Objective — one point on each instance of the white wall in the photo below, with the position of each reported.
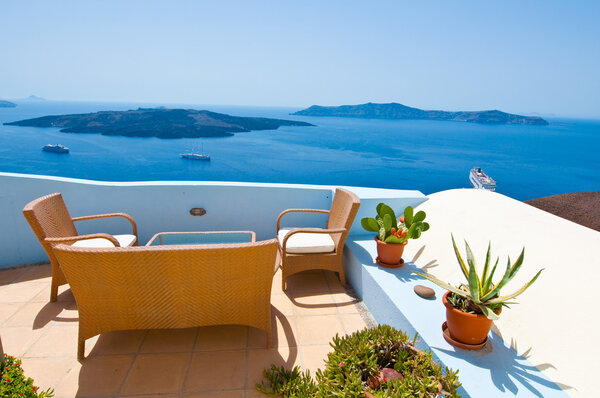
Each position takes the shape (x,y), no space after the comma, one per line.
(164,206)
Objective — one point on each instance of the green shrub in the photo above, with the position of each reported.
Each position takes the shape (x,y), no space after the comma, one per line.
(353,370)
(14,384)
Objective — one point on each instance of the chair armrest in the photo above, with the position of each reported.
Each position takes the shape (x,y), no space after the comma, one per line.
(298,211)
(68,239)
(124,215)
(312,231)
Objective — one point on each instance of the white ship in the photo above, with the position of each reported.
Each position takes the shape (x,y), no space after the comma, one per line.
(55,148)
(480,180)
(196,156)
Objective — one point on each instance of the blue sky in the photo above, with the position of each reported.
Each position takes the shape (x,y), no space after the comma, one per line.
(518,56)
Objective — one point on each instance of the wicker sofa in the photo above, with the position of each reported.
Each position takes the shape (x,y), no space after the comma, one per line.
(165,287)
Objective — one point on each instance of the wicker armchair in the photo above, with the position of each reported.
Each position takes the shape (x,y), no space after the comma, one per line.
(168,287)
(50,220)
(303,249)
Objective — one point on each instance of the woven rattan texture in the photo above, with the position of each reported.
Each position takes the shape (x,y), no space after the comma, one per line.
(164,287)
(343,210)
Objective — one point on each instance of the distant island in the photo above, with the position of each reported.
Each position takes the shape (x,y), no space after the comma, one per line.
(34,98)
(7,104)
(158,122)
(398,111)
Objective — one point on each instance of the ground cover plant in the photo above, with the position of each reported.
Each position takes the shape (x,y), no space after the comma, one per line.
(379,362)
(14,383)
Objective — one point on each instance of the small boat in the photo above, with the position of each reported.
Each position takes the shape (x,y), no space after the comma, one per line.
(196,156)
(480,180)
(57,148)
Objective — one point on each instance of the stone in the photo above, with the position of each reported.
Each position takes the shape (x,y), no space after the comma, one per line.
(424,291)
(390,374)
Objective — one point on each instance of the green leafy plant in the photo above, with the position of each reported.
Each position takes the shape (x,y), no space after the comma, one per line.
(358,366)
(390,230)
(481,295)
(13,382)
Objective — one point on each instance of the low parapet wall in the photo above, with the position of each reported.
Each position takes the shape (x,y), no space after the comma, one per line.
(546,345)
(164,206)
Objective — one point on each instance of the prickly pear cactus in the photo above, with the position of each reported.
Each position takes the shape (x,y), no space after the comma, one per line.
(392,230)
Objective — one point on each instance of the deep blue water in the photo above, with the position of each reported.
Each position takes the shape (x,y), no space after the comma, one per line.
(526,161)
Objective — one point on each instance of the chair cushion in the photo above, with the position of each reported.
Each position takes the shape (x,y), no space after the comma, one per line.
(305,242)
(124,241)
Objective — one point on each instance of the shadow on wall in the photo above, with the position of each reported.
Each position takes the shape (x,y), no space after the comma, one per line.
(507,365)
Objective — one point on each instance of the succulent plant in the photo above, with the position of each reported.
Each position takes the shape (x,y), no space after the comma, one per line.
(480,291)
(390,230)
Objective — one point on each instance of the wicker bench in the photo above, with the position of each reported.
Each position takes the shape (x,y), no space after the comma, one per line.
(167,287)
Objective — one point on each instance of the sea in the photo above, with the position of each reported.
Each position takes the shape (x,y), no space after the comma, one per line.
(430,156)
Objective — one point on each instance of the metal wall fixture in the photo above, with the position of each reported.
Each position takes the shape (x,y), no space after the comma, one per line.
(197,211)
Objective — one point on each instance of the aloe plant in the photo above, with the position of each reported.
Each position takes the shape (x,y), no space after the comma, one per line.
(390,230)
(480,289)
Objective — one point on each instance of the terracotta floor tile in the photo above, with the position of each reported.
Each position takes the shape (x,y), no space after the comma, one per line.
(19,292)
(95,376)
(282,303)
(353,322)
(48,372)
(333,281)
(57,341)
(10,275)
(115,343)
(258,360)
(36,315)
(64,294)
(150,396)
(308,283)
(318,329)
(283,333)
(16,341)
(7,310)
(214,370)
(225,337)
(156,373)
(346,304)
(317,304)
(314,356)
(169,340)
(216,394)
(35,272)
(276,288)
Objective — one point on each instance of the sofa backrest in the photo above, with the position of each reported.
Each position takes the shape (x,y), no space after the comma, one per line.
(152,287)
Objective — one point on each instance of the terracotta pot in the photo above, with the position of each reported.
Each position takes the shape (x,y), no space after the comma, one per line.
(464,327)
(389,253)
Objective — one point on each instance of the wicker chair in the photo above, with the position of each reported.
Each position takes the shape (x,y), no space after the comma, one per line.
(50,220)
(303,249)
(168,287)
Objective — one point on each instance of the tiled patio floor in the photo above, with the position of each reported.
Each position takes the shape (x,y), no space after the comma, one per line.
(224,361)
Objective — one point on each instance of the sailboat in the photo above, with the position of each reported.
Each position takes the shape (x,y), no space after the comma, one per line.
(196,156)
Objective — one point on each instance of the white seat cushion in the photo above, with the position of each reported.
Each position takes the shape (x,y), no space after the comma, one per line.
(124,241)
(305,242)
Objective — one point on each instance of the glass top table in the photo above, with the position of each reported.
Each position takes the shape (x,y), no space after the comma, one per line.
(201,238)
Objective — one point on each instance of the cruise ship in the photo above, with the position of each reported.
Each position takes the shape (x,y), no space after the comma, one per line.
(480,180)
(57,148)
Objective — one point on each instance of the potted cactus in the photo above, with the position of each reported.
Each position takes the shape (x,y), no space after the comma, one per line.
(393,235)
(471,308)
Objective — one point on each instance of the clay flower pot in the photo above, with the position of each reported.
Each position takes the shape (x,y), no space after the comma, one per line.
(389,253)
(466,328)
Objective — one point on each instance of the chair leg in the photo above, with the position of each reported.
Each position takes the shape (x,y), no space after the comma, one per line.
(53,291)
(80,349)
(342,278)
(283,283)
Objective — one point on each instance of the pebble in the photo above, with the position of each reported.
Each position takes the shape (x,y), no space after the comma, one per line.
(424,291)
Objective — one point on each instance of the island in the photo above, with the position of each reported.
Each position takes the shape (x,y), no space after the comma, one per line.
(158,122)
(398,111)
(7,104)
